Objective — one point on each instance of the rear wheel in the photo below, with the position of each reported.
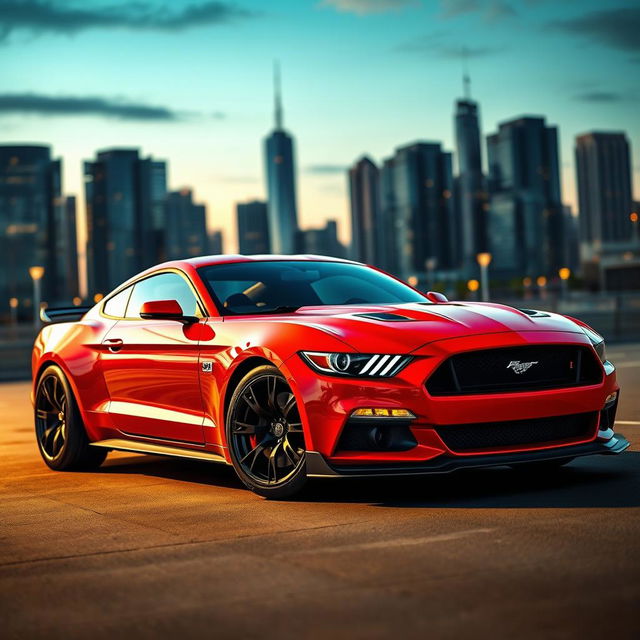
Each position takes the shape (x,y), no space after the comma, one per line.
(264,434)
(60,433)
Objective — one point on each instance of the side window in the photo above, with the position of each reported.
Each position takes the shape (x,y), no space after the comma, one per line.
(164,286)
(117,306)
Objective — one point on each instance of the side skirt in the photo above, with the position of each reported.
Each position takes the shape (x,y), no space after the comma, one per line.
(158,450)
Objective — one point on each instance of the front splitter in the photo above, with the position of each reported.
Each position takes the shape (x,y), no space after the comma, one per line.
(318,467)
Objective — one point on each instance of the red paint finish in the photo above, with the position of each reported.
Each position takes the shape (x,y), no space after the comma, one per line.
(167,380)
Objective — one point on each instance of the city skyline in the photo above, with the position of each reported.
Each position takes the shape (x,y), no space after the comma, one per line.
(389,78)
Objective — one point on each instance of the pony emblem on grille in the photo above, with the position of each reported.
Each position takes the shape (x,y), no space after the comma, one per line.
(520,367)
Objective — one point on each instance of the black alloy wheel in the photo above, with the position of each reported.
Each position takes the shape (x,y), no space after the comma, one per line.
(60,433)
(265,436)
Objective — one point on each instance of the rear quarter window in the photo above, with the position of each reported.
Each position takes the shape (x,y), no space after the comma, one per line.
(117,306)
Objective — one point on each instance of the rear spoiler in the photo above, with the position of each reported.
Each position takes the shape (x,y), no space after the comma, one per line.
(63,314)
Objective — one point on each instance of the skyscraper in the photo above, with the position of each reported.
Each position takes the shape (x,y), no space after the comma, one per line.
(364,192)
(418,188)
(281,190)
(185,226)
(603,167)
(253,227)
(323,241)
(470,183)
(34,226)
(526,217)
(122,190)
(153,192)
(216,242)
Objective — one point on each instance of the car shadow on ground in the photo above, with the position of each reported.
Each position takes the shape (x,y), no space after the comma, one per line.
(591,482)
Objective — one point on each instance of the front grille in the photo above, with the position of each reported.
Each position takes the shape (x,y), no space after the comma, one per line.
(514,369)
(501,435)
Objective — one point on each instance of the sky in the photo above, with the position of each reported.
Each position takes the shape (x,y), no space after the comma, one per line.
(190,81)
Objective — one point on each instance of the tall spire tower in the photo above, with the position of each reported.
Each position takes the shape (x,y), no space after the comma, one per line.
(466,80)
(277,93)
(281,183)
(470,182)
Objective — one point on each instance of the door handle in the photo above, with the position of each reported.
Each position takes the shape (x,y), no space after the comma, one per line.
(114,344)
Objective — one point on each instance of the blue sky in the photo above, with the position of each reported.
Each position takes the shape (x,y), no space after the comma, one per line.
(190,81)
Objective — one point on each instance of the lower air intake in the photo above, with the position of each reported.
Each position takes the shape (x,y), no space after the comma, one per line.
(503,435)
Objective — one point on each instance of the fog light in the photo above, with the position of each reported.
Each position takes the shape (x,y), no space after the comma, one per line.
(382,412)
(611,398)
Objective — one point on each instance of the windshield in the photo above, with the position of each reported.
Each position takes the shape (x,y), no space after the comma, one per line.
(274,286)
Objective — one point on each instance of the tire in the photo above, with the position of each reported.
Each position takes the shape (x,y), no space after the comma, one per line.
(60,433)
(265,436)
(548,466)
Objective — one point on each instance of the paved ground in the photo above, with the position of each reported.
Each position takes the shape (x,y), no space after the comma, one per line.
(151,547)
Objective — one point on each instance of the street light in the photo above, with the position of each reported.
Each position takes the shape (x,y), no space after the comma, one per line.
(484,260)
(13,306)
(565,274)
(36,274)
(473,286)
(412,281)
(633,216)
(541,281)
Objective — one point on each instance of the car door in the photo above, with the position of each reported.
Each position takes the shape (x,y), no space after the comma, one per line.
(151,366)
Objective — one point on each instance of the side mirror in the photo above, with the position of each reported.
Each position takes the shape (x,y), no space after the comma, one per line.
(165,310)
(435,296)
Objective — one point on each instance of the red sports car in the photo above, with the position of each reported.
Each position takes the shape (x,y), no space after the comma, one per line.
(290,367)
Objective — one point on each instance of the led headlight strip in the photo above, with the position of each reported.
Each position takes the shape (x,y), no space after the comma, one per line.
(365,365)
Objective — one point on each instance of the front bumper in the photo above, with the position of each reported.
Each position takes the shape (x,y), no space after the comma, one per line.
(318,467)
(326,404)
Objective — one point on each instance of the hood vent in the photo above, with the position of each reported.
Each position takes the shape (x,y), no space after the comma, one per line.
(534,313)
(384,317)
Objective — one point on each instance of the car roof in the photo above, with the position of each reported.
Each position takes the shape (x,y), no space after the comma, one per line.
(205,261)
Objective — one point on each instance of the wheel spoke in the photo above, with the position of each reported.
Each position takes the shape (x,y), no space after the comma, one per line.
(289,404)
(286,447)
(244,428)
(272,464)
(56,393)
(47,392)
(48,437)
(290,451)
(272,382)
(58,441)
(250,398)
(42,414)
(255,451)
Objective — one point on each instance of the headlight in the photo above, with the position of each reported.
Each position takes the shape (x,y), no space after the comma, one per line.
(376,365)
(598,343)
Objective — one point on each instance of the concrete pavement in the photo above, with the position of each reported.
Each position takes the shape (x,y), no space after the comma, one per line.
(152,547)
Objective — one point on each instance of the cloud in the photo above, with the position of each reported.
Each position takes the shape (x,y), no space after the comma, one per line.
(52,16)
(452,8)
(602,96)
(490,10)
(499,10)
(616,28)
(433,44)
(38,104)
(364,7)
(326,169)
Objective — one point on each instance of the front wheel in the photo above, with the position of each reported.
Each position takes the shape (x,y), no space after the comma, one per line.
(264,435)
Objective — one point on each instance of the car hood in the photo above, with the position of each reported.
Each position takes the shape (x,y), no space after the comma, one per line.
(406,327)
